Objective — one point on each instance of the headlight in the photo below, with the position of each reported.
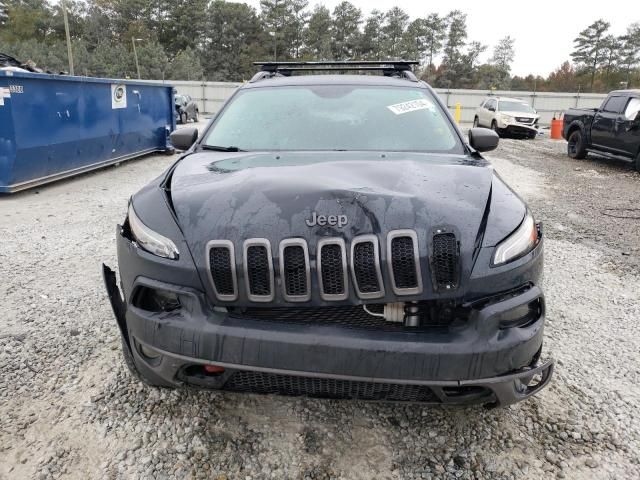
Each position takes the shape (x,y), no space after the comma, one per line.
(519,243)
(505,118)
(149,240)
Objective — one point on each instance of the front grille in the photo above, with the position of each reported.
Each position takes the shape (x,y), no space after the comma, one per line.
(332,269)
(258,271)
(222,267)
(404,262)
(294,264)
(444,261)
(292,385)
(366,268)
(524,119)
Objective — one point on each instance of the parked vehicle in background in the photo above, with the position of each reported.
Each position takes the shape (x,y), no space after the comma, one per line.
(507,116)
(613,130)
(186,109)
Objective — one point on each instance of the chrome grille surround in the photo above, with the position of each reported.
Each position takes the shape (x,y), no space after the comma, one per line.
(294,242)
(393,234)
(227,244)
(373,239)
(343,249)
(258,242)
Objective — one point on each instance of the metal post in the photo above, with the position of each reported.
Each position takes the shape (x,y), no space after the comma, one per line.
(68,35)
(135,55)
(204,97)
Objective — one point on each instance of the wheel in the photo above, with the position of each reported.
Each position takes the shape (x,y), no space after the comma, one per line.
(143,375)
(575,145)
(475,122)
(494,127)
(195,116)
(183,118)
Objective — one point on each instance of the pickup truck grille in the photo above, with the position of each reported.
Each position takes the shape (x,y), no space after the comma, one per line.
(335,266)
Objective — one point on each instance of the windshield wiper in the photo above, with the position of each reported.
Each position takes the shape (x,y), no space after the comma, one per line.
(217,148)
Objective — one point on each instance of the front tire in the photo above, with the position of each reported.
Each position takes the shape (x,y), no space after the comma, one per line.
(183,118)
(195,117)
(476,122)
(575,145)
(494,127)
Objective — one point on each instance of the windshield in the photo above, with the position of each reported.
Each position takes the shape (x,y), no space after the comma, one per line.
(506,106)
(334,117)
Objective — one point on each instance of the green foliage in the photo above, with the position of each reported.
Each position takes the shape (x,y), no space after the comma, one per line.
(219,40)
(185,66)
(317,35)
(345,31)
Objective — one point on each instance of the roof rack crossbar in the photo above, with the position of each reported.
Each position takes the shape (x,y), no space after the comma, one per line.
(398,65)
(387,67)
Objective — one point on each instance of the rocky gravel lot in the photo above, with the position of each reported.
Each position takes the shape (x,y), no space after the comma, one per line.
(69,409)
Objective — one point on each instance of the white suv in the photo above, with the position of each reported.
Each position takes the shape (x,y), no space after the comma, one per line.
(507,115)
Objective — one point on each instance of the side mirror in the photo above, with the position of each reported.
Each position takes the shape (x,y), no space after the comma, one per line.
(492,109)
(184,138)
(483,139)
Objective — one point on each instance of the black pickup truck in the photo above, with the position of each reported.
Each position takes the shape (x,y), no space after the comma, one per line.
(613,130)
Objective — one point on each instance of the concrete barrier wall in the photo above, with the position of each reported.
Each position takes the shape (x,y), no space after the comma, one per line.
(211,95)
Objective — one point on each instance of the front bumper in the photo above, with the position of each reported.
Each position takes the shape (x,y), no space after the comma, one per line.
(480,363)
(517,128)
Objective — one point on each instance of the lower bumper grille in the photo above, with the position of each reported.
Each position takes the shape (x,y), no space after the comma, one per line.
(291,385)
(352,316)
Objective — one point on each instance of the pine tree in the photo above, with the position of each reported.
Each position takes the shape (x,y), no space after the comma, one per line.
(346,33)
(317,35)
(590,46)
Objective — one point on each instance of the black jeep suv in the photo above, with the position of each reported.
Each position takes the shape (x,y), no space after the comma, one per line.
(333,236)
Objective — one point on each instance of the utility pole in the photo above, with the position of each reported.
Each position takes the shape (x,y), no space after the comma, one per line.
(135,55)
(66,30)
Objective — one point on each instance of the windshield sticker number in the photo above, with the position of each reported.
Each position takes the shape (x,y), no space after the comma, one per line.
(411,106)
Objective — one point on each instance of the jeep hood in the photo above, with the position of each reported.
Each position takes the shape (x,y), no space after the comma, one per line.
(235,196)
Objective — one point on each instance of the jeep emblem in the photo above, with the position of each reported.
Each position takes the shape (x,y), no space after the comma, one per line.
(322,220)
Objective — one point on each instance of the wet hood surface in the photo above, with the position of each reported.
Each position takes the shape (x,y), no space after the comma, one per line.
(238,196)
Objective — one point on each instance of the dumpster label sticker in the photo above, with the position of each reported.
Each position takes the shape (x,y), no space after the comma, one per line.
(16,89)
(4,93)
(118,96)
(412,106)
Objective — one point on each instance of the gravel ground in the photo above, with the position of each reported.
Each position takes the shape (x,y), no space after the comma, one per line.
(68,408)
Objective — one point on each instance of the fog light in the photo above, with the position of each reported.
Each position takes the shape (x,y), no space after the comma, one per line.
(522,315)
(156,300)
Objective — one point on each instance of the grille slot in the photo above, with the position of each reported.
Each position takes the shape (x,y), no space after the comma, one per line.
(445,261)
(403,257)
(222,269)
(332,269)
(294,269)
(365,261)
(258,269)
(292,385)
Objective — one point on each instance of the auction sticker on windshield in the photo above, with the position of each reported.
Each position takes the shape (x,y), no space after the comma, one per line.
(411,106)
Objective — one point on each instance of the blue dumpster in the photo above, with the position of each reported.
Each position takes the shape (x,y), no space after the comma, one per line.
(55,126)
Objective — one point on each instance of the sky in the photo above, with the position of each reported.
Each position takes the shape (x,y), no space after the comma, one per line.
(543,30)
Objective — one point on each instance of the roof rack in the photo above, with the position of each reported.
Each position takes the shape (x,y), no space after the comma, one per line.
(389,68)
